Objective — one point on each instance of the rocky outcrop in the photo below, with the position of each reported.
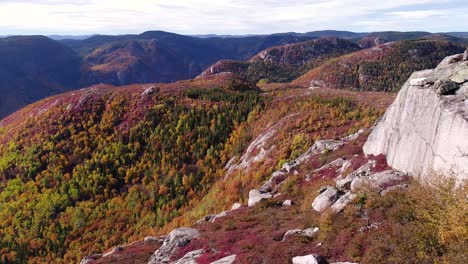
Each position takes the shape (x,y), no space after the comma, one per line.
(425,131)
(226,260)
(308,259)
(255,197)
(326,198)
(179,237)
(190,257)
(308,232)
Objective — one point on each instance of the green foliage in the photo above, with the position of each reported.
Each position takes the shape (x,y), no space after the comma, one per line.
(74,184)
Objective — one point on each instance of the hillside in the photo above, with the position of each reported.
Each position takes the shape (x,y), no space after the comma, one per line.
(35,67)
(104,166)
(381,68)
(32,68)
(284,63)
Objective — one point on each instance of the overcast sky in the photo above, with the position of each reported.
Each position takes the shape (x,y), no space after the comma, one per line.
(229,16)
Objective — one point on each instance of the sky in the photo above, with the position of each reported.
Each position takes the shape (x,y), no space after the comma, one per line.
(236,17)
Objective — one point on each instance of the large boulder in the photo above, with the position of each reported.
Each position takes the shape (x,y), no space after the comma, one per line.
(308,259)
(255,197)
(325,199)
(191,257)
(226,260)
(425,131)
(179,237)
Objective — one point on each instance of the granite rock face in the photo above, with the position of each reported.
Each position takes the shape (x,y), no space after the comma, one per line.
(425,131)
(177,238)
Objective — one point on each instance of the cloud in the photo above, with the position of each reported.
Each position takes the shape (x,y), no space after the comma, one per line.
(222,16)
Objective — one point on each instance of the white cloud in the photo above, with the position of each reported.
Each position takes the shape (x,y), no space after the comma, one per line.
(208,16)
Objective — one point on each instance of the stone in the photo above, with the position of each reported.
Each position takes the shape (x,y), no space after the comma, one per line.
(394,188)
(255,197)
(465,55)
(287,203)
(325,199)
(379,181)
(308,232)
(418,82)
(424,133)
(364,170)
(444,87)
(178,237)
(236,206)
(461,76)
(342,202)
(190,258)
(463,90)
(309,259)
(226,260)
(153,239)
(90,259)
(150,90)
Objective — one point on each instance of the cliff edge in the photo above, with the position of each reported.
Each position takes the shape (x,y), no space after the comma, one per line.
(425,130)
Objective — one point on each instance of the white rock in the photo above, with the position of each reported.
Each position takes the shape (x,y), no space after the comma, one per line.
(287,203)
(418,82)
(309,259)
(423,132)
(177,238)
(190,257)
(236,206)
(226,260)
(325,199)
(255,196)
(310,232)
(341,203)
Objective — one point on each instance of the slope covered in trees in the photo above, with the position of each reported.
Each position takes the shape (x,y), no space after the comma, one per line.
(286,62)
(382,68)
(93,168)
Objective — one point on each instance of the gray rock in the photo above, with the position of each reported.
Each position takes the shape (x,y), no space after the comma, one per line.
(150,90)
(465,55)
(153,239)
(177,238)
(424,132)
(236,206)
(287,203)
(308,232)
(226,260)
(444,87)
(90,259)
(342,202)
(379,181)
(325,199)
(255,197)
(309,259)
(191,257)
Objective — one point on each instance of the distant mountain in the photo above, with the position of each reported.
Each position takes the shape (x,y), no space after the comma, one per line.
(164,57)
(382,68)
(286,62)
(32,68)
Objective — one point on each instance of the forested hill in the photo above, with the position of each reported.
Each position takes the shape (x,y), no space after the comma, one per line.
(93,168)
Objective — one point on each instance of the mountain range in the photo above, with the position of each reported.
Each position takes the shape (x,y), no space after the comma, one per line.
(153,56)
(164,148)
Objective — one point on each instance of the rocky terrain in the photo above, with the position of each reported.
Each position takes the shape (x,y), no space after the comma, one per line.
(425,131)
(356,165)
(217,170)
